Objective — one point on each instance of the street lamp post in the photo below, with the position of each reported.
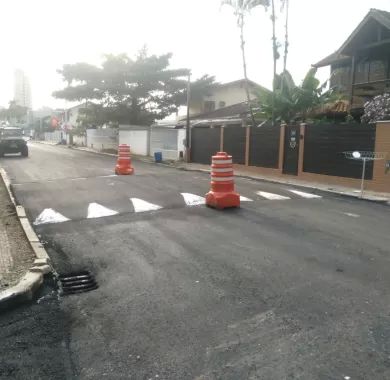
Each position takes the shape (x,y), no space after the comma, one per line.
(188,133)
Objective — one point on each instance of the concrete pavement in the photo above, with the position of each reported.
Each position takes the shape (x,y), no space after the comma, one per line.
(292,285)
(16,256)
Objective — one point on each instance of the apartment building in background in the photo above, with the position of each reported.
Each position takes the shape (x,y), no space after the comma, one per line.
(22,89)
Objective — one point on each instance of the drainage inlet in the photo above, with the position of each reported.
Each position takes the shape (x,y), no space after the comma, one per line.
(77,282)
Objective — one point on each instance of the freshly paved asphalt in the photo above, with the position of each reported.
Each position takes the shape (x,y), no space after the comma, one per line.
(278,289)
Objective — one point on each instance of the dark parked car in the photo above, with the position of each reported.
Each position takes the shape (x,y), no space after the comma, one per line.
(12,141)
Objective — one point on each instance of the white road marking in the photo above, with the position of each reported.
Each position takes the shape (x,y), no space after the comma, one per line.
(305,195)
(245,199)
(48,215)
(142,206)
(193,199)
(351,214)
(272,196)
(78,179)
(95,210)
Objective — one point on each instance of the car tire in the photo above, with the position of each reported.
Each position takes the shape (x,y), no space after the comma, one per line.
(24,151)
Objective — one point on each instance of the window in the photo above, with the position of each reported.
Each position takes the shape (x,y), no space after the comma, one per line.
(209,105)
(377,70)
(221,104)
(340,78)
(361,73)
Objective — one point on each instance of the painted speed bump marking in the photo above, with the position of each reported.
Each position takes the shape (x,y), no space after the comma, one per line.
(305,195)
(351,214)
(193,199)
(48,215)
(245,199)
(95,210)
(142,206)
(272,196)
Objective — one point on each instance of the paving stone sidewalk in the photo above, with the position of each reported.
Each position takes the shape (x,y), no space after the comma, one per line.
(16,255)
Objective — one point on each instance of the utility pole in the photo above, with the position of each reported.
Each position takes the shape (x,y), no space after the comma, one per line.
(188,132)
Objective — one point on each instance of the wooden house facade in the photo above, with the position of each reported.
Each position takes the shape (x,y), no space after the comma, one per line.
(360,68)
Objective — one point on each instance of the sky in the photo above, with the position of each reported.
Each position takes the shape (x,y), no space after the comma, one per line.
(39,36)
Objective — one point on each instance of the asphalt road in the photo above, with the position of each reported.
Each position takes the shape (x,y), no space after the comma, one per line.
(292,288)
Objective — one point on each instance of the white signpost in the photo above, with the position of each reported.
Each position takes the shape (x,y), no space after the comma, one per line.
(364,157)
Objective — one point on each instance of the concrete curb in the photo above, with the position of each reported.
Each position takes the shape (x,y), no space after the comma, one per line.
(25,289)
(93,151)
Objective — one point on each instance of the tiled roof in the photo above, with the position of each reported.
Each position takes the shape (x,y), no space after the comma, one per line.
(337,107)
(241,82)
(239,110)
(335,57)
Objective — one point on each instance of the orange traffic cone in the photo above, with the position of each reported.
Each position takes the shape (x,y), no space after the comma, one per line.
(222,194)
(123,164)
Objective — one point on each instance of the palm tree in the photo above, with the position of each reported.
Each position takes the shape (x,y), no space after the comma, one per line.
(285,4)
(242,8)
(275,56)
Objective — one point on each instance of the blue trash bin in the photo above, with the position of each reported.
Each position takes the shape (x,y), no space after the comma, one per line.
(158,156)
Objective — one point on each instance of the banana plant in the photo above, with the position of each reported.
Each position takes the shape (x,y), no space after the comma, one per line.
(291,103)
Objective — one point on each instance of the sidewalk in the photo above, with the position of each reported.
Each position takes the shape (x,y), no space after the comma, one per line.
(23,259)
(16,254)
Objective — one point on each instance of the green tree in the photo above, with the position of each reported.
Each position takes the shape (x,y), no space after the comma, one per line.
(291,103)
(14,113)
(124,90)
(241,9)
(285,7)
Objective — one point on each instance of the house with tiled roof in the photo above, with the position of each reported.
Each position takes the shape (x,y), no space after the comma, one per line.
(360,68)
(224,100)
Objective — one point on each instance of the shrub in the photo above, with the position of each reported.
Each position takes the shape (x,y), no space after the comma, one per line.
(377,109)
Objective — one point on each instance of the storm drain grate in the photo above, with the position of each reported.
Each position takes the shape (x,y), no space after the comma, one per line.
(77,282)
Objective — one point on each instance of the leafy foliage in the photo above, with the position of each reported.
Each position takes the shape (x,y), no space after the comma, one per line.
(293,103)
(124,90)
(14,113)
(377,109)
(242,7)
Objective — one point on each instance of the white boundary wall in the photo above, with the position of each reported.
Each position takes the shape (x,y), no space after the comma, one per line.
(137,139)
(55,136)
(77,140)
(101,139)
(168,141)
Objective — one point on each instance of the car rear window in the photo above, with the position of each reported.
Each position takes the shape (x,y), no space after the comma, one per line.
(11,132)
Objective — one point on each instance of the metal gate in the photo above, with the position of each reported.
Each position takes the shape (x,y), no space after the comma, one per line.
(291,149)
(325,146)
(264,146)
(234,138)
(205,142)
